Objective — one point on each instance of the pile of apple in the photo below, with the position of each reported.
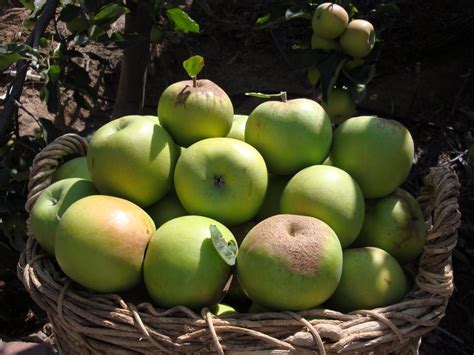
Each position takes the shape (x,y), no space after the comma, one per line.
(297,213)
(332,31)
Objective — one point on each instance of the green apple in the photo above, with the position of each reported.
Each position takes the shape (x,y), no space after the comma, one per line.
(340,105)
(358,39)
(376,152)
(166,209)
(221,178)
(182,266)
(237,130)
(51,205)
(290,135)
(329,20)
(74,168)
(271,204)
(132,157)
(371,278)
(325,44)
(290,262)
(101,242)
(329,194)
(192,113)
(327,161)
(395,224)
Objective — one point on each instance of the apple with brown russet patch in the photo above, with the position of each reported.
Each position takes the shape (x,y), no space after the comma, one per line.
(290,262)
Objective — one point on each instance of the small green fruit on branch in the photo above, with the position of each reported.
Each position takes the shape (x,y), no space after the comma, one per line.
(193,67)
(260,95)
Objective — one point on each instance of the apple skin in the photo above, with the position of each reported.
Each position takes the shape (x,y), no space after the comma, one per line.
(191,114)
(377,152)
(359,38)
(329,20)
(221,178)
(166,209)
(237,130)
(182,267)
(329,194)
(290,135)
(371,278)
(395,224)
(290,262)
(340,105)
(132,157)
(101,242)
(52,203)
(74,168)
(271,204)
(318,42)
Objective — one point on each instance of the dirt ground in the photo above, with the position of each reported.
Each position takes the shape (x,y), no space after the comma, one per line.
(424,79)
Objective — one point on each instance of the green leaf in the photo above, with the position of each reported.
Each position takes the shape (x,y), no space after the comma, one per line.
(261,95)
(7,59)
(263,19)
(110,12)
(70,13)
(193,65)
(329,68)
(29,4)
(296,13)
(227,249)
(182,21)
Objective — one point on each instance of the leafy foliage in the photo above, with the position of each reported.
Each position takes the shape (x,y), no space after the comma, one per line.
(58,61)
(193,65)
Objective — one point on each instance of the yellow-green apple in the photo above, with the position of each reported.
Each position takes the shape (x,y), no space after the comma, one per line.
(182,266)
(51,205)
(340,105)
(290,262)
(376,152)
(132,157)
(395,224)
(329,194)
(371,278)
(168,208)
(271,204)
(358,39)
(74,168)
(221,178)
(192,113)
(329,20)
(325,44)
(101,242)
(237,130)
(290,135)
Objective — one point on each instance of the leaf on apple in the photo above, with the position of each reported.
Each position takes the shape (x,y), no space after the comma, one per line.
(193,65)
(261,95)
(226,249)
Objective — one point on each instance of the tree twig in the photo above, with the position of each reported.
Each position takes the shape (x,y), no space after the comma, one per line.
(16,87)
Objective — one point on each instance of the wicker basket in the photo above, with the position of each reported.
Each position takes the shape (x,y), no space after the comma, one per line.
(86,322)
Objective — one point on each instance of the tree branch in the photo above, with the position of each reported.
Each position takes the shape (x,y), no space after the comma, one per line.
(16,87)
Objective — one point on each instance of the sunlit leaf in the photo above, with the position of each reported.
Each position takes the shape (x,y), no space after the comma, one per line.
(182,21)
(263,19)
(110,12)
(227,249)
(193,65)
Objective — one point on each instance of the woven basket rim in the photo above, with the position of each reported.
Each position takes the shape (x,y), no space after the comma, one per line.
(104,323)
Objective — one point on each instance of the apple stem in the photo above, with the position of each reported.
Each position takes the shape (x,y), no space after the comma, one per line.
(194,81)
(283,96)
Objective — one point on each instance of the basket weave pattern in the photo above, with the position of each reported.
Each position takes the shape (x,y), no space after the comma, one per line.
(86,322)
